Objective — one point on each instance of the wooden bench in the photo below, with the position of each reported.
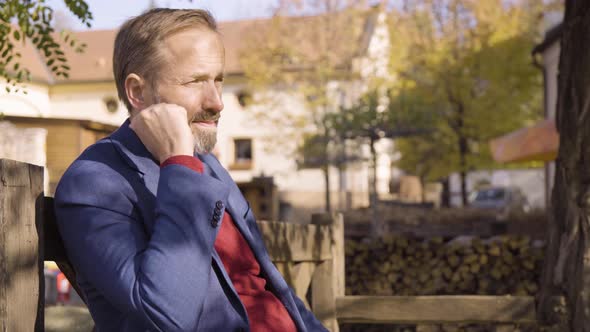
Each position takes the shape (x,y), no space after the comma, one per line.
(311,257)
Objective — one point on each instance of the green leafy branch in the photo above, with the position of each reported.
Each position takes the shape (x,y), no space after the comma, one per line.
(22,20)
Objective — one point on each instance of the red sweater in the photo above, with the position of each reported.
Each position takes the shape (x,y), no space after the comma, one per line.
(265,312)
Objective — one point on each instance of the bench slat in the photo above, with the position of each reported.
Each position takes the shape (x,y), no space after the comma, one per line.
(288,242)
(435,309)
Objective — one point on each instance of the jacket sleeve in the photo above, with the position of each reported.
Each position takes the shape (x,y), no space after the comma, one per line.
(160,278)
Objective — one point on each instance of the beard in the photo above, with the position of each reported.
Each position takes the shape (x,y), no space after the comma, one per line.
(204,139)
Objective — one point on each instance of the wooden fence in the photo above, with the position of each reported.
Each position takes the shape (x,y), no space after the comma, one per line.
(311,257)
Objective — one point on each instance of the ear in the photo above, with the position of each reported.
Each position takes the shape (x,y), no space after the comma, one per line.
(134,88)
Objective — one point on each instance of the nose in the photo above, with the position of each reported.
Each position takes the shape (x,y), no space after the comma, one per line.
(212,98)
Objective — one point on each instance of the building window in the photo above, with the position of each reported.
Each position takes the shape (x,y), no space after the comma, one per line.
(244,97)
(111,103)
(242,154)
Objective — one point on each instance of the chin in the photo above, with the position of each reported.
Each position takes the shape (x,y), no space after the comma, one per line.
(200,150)
(200,130)
(205,143)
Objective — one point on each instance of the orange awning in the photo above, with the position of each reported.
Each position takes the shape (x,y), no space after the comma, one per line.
(537,143)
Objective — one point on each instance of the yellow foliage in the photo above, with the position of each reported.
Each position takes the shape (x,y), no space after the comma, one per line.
(468,62)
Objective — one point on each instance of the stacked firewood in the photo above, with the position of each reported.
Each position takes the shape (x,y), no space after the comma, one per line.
(397,265)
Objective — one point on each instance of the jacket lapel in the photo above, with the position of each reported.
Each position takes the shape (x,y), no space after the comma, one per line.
(236,207)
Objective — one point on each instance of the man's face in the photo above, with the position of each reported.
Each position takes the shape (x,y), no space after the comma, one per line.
(192,76)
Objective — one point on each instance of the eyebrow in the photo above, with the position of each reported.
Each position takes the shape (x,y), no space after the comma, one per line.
(205,76)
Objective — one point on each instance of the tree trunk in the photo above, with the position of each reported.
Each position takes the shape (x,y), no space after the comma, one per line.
(445,200)
(463,151)
(373,199)
(463,177)
(342,188)
(342,184)
(326,170)
(566,271)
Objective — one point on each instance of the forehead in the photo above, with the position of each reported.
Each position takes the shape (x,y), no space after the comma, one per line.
(198,48)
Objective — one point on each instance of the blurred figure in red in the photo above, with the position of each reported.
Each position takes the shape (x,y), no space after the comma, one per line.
(63,289)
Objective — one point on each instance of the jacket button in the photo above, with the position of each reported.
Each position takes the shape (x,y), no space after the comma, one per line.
(217,212)
(219,205)
(216,217)
(214,223)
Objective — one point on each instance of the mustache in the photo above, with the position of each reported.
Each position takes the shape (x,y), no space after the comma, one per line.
(206,116)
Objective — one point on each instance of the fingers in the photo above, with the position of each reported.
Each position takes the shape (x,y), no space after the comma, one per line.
(164,130)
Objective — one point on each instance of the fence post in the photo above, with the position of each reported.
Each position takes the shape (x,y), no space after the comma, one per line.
(328,279)
(21,234)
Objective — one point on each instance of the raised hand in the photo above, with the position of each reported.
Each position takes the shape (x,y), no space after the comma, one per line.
(164,130)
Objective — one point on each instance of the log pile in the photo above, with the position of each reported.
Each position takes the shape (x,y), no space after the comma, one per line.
(446,222)
(396,265)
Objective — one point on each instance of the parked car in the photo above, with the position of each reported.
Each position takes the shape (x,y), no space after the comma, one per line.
(504,201)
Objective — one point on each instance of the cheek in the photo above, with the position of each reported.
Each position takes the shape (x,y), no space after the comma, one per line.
(189,102)
(192,111)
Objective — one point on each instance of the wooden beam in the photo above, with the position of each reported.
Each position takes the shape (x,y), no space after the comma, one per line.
(298,276)
(21,237)
(328,279)
(287,242)
(435,309)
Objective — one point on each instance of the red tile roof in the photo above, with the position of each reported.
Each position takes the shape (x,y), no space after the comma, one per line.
(95,64)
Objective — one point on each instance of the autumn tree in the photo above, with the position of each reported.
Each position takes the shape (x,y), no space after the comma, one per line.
(566,273)
(373,117)
(306,53)
(469,63)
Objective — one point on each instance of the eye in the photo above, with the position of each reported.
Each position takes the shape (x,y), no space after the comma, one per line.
(194,80)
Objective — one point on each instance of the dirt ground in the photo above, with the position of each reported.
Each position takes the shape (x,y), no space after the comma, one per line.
(67,319)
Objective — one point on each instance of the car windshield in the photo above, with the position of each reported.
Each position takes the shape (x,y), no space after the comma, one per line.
(490,195)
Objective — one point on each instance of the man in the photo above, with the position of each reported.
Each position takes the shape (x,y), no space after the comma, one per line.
(158,232)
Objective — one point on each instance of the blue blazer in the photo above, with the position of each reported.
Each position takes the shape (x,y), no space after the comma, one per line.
(142,239)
